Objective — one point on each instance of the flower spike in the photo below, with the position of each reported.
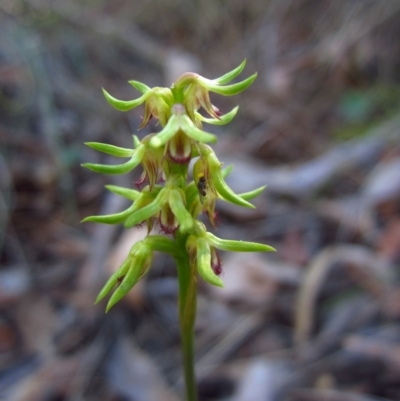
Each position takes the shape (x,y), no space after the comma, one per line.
(168,198)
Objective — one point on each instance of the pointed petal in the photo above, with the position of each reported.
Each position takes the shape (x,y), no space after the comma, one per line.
(121,104)
(110,149)
(147,211)
(226,171)
(222,120)
(231,90)
(136,141)
(179,209)
(237,246)
(166,134)
(196,133)
(131,278)
(116,218)
(231,74)
(142,88)
(227,193)
(118,275)
(127,193)
(119,168)
(217,179)
(252,194)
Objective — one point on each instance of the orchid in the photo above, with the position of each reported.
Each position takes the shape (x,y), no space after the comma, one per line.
(168,198)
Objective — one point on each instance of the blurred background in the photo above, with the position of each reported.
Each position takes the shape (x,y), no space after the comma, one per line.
(317,320)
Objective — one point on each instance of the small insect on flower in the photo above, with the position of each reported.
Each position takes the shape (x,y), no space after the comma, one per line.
(202,187)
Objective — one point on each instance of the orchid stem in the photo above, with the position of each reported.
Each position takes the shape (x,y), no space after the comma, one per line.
(187,317)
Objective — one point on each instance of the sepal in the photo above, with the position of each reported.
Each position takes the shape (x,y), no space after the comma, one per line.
(176,199)
(127,193)
(228,90)
(119,168)
(231,74)
(110,149)
(221,186)
(142,88)
(237,246)
(139,262)
(204,263)
(122,105)
(180,121)
(252,194)
(113,280)
(147,211)
(135,266)
(115,218)
(221,120)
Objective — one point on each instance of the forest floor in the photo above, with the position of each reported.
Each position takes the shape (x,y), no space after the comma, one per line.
(317,320)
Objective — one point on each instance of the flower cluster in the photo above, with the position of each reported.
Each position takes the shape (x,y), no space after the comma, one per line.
(165,197)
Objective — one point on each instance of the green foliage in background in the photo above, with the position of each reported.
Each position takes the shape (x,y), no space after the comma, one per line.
(364,109)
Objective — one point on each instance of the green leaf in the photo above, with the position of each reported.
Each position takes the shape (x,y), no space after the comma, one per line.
(222,120)
(230,75)
(122,105)
(110,149)
(231,90)
(116,218)
(119,168)
(237,246)
(204,263)
(142,88)
(127,193)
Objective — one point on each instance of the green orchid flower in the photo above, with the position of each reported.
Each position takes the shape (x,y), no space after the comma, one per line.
(202,252)
(158,102)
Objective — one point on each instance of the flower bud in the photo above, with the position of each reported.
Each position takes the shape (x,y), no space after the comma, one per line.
(130,272)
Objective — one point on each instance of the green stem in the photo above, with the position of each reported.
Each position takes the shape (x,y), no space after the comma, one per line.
(187,317)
